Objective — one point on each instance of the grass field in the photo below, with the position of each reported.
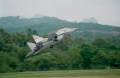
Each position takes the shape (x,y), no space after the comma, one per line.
(64,74)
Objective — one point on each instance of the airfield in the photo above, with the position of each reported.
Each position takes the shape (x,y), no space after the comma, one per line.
(114,73)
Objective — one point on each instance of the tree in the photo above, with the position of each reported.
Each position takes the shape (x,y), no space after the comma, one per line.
(86,54)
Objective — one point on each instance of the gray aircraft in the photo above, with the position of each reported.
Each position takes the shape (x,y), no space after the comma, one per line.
(42,43)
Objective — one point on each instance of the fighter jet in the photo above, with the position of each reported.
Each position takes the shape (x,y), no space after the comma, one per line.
(52,39)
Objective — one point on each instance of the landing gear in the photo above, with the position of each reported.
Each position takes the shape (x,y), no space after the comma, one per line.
(38,46)
(51,46)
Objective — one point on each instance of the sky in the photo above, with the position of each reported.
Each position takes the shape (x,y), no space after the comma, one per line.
(105,11)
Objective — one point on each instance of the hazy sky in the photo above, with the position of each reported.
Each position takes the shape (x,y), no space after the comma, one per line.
(105,11)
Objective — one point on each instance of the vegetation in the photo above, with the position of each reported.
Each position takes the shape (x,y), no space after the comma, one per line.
(71,53)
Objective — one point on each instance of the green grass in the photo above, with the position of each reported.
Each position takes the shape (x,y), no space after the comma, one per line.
(64,74)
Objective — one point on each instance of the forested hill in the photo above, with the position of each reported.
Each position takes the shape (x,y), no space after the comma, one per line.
(19,24)
(47,24)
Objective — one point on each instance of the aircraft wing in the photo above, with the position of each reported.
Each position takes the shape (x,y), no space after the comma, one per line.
(36,46)
(45,45)
(38,39)
(65,30)
(36,50)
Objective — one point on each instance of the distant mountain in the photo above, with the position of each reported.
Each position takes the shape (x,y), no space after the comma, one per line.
(45,24)
(90,20)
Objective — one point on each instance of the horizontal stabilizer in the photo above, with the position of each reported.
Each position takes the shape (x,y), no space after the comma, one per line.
(32,46)
(39,39)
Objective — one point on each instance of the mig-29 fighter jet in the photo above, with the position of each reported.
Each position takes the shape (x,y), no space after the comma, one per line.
(52,38)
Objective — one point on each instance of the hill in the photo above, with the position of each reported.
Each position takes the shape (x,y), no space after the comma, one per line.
(45,24)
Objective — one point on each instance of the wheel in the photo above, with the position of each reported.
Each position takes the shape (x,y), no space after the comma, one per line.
(51,46)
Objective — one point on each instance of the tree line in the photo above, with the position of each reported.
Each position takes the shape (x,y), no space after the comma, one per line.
(70,54)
